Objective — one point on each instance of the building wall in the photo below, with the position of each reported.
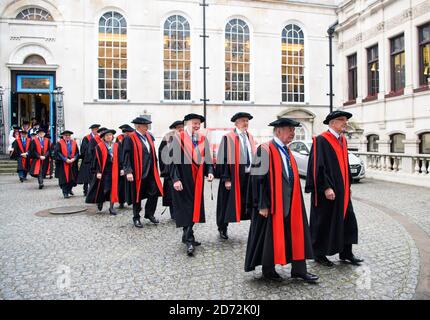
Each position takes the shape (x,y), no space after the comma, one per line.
(69,45)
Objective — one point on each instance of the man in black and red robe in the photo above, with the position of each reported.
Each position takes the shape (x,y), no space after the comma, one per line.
(107,166)
(85,174)
(20,153)
(163,154)
(141,169)
(279,231)
(126,130)
(40,153)
(233,166)
(191,160)
(66,168)
(333,224)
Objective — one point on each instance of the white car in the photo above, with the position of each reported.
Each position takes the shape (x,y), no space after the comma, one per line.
(301,149)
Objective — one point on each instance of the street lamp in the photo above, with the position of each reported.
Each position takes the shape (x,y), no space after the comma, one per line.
(2,125)
(59,110)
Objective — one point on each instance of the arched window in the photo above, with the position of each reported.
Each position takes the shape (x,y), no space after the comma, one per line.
(300,133)
(34,13)
(425,143)
(237,61)
(112,56)
(372,145)
(34,59)
(397,145)
(293,64)
(177,59)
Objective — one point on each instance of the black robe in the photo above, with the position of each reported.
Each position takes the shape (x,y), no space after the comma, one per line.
(143,165)
(23,164)
(284,235)
(66,173)
(332,224)
(122,179)
(230,166)
(40,166)
(85,174)
(106,188)
(163,152)
(189,206)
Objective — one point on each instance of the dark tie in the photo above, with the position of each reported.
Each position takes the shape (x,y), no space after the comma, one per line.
(289,168)
(340,141)
(41,142)
(69,149)
(23,142)
(194,141)
(245,149)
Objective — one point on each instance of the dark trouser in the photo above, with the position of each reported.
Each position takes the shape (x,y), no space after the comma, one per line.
(347,250)
(188,234)
(85,188)
(297,267)
(223,227)
(22,174)
(40,179)
(172,211)
(67,188)
(150,207)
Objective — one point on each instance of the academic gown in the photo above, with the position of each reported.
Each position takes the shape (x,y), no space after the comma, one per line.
(122,179)
(85,174)
(284,235)
(23,164)
(143,165)
(66,173)
(163,151)
(106,188)
(333,223)
(190,168)
(40,166)
(231,165)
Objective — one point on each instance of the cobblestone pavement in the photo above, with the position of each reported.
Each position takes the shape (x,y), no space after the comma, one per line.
(98,256)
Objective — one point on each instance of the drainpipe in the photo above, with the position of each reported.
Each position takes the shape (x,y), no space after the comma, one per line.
(330,32)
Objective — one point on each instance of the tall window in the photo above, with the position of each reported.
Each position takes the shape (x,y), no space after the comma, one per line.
(397,145)
(372,145)
(300,134)
(237,61)
(373,71)
(398,63)
(112,56)
(36,14)
(352,77)
(425,143)
(177,59)
(293,64)
(424,44)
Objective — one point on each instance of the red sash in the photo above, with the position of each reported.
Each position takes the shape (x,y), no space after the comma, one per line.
(89,137)
(102,163)
(39,162)
(120,137)
(232,137)
(277,209)
(197,167)
(342,159)
(67,166)
(138,166)
(22,150)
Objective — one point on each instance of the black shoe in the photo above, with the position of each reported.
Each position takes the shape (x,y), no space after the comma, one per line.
(71,193)
(273,276)
(100,206)
(21,179)
(137,223)
(308,277)
(324,261)
(66,195)
(190,249)
(113,211)
(223,234)
(352,259)
(121,205)
(152,219)
(40,186)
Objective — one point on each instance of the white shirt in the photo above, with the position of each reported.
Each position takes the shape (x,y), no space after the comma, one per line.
(188,131)
(337,135)
(284,158)
(245,140)
(144,140)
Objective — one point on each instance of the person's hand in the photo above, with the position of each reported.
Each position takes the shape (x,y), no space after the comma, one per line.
(178,186)
(121,172)
(329,194)
(24,155)
(130,177)
(99,175)
(264,212)
(42,157)
(69,161)
(210,177)
(227,185)
(72,160)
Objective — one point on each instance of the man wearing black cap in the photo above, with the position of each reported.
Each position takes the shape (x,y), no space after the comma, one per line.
(40,152)
(163,154)
(279,231)
(67,153)
(20,153)
(85,174)
(126,130)
(140,167)
(333,223)
(234,159)
(191,161)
